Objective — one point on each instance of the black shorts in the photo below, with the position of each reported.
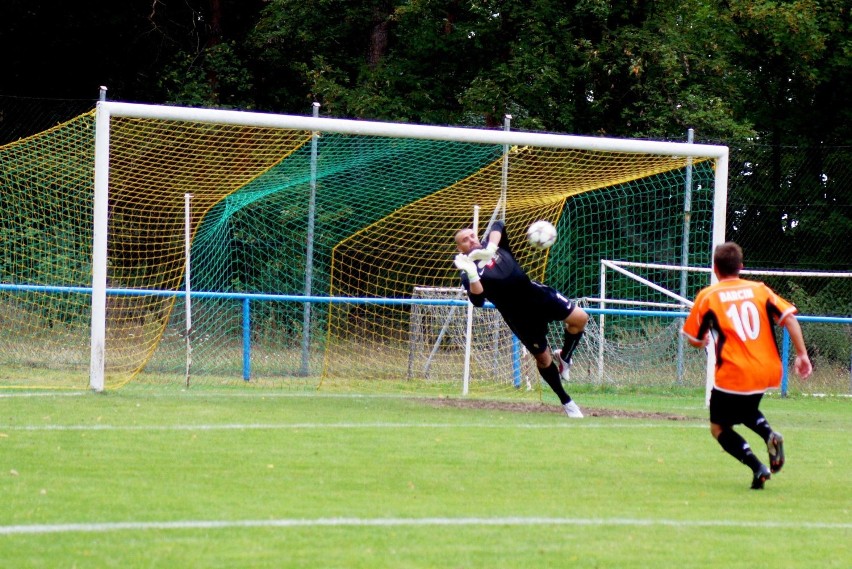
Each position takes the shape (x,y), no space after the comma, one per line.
(531,327)
(733,409)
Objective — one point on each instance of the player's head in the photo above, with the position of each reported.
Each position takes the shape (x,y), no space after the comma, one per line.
(466,240)
(728,259)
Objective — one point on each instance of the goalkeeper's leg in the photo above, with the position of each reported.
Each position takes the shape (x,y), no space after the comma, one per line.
(551,377)
(550,374)
(575,325)
(533,335)
(572,340)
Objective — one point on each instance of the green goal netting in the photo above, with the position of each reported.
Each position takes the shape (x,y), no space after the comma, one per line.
(247,249)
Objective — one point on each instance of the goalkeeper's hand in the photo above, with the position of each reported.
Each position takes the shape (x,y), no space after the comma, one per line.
(483,255)
(464,263)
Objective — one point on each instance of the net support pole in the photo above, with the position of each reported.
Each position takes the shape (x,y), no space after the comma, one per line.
(785,357)
(720,204)
(187,239)
(309,254)
(602,323)
(504,198)
(468,335)
(684,255)
(99,249)
(246,339)
(504,181)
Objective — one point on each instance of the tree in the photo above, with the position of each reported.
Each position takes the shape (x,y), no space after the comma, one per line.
(621,68)
(797,58)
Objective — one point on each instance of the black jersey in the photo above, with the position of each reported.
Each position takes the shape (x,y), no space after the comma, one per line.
(506,285)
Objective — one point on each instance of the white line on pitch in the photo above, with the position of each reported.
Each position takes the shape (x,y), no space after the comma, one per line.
(279,426)
(413,522)
(41,394)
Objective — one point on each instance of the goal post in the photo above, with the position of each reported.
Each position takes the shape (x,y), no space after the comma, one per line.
(388,199)
(540,147)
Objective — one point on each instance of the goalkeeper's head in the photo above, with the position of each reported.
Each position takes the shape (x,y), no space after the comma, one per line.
(466,240)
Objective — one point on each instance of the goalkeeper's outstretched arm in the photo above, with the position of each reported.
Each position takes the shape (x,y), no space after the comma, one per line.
(470,278)
(468,244)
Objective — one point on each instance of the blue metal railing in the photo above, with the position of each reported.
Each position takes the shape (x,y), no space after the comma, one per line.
(246,299)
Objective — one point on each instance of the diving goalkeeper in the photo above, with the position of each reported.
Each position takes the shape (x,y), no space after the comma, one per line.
(490,272)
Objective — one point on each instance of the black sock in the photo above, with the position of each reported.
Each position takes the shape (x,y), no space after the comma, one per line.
(550,374)
(570,344)
(760,425)
(736,446)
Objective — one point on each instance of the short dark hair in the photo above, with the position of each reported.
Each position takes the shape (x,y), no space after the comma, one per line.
(728,259)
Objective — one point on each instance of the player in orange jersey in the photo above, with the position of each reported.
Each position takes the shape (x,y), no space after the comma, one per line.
(740,316)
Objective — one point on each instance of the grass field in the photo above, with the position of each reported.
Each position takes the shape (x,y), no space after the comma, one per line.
(262,478)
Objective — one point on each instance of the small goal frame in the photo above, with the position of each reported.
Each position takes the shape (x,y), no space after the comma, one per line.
(681,304)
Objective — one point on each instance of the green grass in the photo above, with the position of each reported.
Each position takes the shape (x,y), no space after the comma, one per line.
(262,478)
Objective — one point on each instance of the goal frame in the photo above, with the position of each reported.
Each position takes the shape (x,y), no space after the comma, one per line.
(107,109)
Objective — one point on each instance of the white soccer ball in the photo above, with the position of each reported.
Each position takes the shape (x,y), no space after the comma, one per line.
(541,234)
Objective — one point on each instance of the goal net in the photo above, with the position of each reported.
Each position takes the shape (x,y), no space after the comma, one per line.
(256,249)
(438,340)
(626,350)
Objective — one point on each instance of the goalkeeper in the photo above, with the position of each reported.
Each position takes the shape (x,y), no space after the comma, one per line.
(490,272)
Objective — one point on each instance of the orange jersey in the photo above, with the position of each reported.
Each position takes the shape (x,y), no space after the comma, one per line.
(741,315)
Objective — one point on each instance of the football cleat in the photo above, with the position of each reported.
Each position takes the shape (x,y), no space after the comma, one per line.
(775,446)
(572,410)
(564,367)
(760,477)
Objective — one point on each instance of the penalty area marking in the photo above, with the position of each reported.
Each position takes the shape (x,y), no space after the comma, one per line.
(410,522)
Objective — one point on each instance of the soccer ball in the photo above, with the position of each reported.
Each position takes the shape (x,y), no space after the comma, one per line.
(541,234)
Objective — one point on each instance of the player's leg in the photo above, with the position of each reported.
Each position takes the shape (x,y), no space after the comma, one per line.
(533,335)
(774,441)
(725,412)
(549,372)
(575,325)
(574,320)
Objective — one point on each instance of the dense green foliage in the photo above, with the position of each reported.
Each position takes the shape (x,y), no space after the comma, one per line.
(775,71)
(772,80)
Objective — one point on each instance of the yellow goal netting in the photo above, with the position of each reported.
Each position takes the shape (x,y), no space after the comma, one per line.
(278,251)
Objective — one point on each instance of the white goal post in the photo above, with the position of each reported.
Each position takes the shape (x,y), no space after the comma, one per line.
(106,110)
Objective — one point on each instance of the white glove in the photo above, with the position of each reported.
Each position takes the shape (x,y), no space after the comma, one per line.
(485,255)
(464,263)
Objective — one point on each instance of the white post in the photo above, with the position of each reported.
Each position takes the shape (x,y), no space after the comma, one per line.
(187,238)
(504,182)
(309,253)
(720,204)
(99,249)
(468,337)
(684,255)
(602,321)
